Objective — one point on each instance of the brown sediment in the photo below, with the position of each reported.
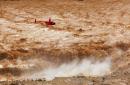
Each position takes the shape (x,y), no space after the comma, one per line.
(84,29)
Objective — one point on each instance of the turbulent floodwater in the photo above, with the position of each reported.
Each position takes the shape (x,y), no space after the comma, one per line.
(85,67)
(90,38)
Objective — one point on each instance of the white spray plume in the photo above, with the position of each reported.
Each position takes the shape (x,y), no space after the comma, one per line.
(76,68)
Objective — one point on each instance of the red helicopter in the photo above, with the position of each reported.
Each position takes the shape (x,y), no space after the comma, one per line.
(47,23)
